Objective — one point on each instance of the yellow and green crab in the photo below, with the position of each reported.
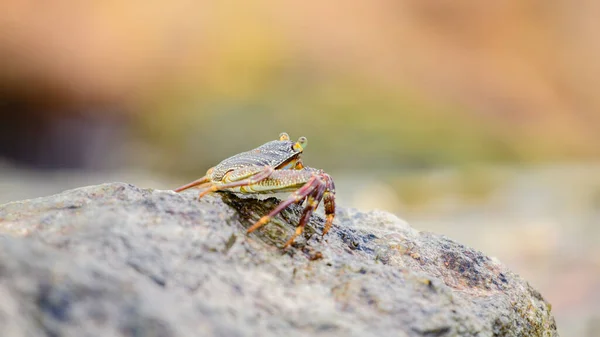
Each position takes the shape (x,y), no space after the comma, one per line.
(273,167)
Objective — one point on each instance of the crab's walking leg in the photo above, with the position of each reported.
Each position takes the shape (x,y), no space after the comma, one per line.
(194,183)
(300,194)
(251,180)
(329,203)
(312,202)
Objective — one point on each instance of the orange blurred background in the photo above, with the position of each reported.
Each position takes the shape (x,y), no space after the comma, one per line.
(479,120)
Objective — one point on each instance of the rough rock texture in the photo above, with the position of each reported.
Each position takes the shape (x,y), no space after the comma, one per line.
(116,260)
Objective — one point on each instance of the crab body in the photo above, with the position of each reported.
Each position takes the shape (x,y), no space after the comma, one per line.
(274,154)
(273,167)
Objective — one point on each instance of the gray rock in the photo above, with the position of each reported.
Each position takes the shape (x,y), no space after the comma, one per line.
(116,260)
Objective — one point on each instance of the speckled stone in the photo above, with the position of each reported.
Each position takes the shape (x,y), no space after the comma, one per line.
(117,260)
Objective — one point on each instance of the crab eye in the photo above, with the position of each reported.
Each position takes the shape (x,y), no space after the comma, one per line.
(284,136)
(300,144)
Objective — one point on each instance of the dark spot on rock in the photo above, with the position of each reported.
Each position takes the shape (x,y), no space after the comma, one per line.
(229,243)
(350,238)
(140,268)
(370,237)
(468,265)
(435,332)
(55,302)
(149,203)
(431,285)
(160,281)
(384,258)
(327,327)
(316,256)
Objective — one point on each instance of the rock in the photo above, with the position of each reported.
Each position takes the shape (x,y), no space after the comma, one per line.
(116,260)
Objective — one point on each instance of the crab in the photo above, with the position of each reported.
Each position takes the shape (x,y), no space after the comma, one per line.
(273,167)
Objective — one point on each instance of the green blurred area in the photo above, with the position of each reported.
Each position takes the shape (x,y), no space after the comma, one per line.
(350,125)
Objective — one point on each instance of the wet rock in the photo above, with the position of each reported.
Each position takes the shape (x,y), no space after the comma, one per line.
(117,260)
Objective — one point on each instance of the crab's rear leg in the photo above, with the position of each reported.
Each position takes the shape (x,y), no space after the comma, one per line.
(329,203)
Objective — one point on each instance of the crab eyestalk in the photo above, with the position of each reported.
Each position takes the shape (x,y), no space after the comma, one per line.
(284,136)
(300,145)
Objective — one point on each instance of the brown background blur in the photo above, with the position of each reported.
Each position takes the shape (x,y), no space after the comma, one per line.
(479,120)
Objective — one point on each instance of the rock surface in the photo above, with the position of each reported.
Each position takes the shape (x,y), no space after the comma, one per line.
(116,260)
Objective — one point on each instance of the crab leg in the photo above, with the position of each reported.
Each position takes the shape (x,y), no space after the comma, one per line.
(312,202)
(194,183)
(253,179)
(298,195)
(329,202)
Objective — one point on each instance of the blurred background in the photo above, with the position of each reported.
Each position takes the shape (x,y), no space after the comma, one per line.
(478,120)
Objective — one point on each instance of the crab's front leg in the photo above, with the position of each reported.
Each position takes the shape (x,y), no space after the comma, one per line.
(312,202)
(303,182)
